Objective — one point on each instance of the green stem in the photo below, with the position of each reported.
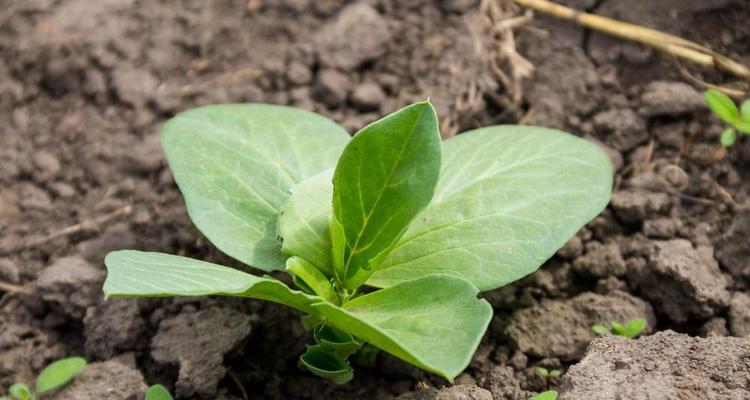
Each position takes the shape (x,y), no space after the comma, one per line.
(313,277)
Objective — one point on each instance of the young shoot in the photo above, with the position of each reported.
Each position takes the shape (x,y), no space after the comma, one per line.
(633,328)
(424,224)
(726,110)
(548,375)
(52,377)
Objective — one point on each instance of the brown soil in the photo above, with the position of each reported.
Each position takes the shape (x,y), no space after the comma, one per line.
(85,86)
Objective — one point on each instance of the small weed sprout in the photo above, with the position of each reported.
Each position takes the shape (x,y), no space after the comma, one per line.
(53,377)
(158,392)
(548,395)
(548,375)
(633,328)
(726,110)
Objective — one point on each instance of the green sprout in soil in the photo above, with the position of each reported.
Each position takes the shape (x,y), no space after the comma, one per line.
(158,392)
(548,375)
(633,328)
(53,377)
(725,109)
(548,395)
(387,237)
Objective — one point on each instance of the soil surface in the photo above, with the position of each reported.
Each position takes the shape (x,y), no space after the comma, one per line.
(85,86)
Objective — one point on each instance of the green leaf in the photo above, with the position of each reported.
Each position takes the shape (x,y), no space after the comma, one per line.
(745,111)
(542,371)
(728,137)
(144,274)
(235,165)
(312,277)
(386,175)
(158,392)
(59,373)
(743,126)
(554,373)
(617,328)
(326,364)
(600,329)
(722,106)
(634,327)
(508,198)
(335,340)
(303,221)
(434,322)
(20,391)
(409,320)
(548,395)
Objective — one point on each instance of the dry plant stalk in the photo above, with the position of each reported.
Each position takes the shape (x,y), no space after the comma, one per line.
(500,18)
(491,28)
(671,44)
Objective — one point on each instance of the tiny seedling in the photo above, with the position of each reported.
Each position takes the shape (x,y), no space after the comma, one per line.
(52,377)
(158,392)
(424,224)
(725,109)
(548,375)
(548,395)
(633,328)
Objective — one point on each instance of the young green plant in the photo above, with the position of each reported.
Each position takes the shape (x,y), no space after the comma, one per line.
(548,395)
(548,375)
(425,225)
(52,377)
(158,392)
(726,110)
(633,328)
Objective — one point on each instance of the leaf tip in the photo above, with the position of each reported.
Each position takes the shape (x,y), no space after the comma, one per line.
(423,106)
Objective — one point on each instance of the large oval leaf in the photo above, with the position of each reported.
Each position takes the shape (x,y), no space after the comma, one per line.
(132,273)
(508,198)
(435,322)
(385,176)
(235,164)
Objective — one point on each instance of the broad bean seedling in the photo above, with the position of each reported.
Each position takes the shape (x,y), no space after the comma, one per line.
(425,225)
